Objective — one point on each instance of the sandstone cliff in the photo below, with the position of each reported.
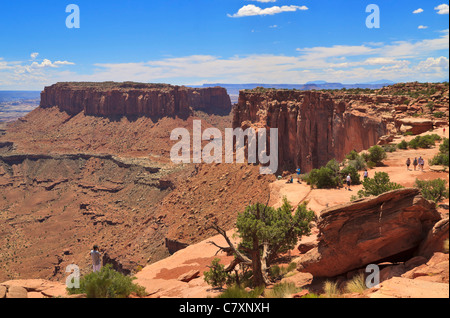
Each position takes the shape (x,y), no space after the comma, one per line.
(316,126)
(313,127)
(134,99)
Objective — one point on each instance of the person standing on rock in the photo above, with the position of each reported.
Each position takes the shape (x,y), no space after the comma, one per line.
(366,174)
(408,163)
(415,163)
(298,175)
(96,259)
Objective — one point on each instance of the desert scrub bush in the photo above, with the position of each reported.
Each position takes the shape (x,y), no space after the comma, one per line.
(389,148)
(323,178)
(359,163)
(356,285)
(438,114)
(402,145)
(377,154)
(354,174)
(442,158)
(331,289)
(426,141)
(240,292)
(107,283)
(278,272)
(435,190)
(377,185)
(352,155)
(282,290)
(216,276)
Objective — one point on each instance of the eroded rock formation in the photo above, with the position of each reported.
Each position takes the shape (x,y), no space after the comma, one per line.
(368,231)
(134,99)
(313,127)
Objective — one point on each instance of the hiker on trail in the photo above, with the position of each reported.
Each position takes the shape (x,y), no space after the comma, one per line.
(408,163)
(349,182)
(421,163)
(415,163)
(298,175)
(366,174)
(96,259)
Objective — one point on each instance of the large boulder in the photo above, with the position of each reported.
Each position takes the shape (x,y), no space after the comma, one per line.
(415,125)
(367,231)
(434,242)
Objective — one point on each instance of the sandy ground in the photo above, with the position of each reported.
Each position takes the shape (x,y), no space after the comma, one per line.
(394,165)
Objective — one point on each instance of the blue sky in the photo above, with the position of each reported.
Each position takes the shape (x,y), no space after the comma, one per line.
(222,41)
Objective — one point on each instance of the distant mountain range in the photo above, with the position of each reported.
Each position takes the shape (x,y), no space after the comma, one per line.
(10,96)
(233,89)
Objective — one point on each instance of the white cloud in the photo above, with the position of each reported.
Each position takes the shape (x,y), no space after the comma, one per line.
(252,10)
(423,60)
(442,9)
(34,55)
(48,63)
(420,10)
(441,63)
(422,27)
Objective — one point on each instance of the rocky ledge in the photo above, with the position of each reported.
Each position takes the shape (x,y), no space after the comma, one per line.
(134,99)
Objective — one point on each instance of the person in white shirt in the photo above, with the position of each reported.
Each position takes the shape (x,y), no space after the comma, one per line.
(96,259)
(349,182)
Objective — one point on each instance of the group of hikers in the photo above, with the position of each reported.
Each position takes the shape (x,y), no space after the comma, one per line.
(416,162)
(348,179)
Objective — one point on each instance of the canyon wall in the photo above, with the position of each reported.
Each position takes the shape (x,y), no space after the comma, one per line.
(134,99)
(313,126)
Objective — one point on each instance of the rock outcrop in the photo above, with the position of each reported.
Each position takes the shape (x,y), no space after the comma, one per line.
(368,231)
(134,99)
(313,126)
(317,126)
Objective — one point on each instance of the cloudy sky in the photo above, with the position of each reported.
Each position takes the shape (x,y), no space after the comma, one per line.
(222,41)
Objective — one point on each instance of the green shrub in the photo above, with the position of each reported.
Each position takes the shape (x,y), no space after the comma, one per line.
(403,145)
(438,114)
(276,272)
(389,148)
(435,190)
(282,290)
(444,147)
(358,163)
(216,276)
(426,141)
(377,185)
(107,283)
(352,155)
(354,174)
(377,154)
(323,178)
(334,166)
(240,292)
(440,159)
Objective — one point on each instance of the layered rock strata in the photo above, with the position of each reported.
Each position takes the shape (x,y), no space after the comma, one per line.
(134,99)
(313,127)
